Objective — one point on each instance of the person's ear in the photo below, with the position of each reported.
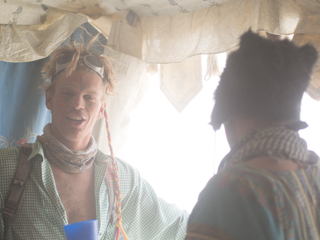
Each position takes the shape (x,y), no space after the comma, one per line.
(49,96)
(101,110)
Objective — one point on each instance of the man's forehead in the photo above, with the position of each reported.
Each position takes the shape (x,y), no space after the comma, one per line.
(81,87)
(80,79)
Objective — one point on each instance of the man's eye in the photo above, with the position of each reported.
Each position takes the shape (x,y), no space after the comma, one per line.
(89,98)
(67,94)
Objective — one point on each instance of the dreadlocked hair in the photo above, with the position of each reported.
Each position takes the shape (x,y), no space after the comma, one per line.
(264,79)
(77,50)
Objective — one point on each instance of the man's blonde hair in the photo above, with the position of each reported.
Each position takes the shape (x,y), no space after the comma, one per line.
(77,49)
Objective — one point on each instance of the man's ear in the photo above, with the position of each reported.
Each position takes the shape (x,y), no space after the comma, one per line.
(49,96)
(101,110)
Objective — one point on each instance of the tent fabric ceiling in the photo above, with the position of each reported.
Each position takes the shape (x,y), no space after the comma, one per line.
(16,11)
(172,30)
(160,7)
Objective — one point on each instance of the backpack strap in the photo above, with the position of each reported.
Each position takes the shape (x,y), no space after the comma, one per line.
(111,195)
(17,189)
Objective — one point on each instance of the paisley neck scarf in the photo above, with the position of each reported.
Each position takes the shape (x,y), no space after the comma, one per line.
(68,160)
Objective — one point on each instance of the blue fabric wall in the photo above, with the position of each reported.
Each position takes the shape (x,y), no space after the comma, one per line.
(23,113)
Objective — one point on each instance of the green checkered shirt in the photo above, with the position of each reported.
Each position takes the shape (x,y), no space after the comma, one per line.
(42,215)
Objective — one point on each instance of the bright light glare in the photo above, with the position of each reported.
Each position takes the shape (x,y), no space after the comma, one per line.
(175,152)
(310,113)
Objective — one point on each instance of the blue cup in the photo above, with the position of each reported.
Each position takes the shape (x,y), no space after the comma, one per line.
(86,230)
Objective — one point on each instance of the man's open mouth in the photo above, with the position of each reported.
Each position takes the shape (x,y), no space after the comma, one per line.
(74,118)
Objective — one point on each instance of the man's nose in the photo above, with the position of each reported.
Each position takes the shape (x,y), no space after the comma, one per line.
(77,102)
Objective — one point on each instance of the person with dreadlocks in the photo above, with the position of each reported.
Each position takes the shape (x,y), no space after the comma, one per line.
(70,179)
(268,185)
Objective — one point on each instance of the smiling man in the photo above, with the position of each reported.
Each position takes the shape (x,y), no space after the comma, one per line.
(70,178)
(76,104)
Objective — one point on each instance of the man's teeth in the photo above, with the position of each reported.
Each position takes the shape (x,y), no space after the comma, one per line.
(76,118)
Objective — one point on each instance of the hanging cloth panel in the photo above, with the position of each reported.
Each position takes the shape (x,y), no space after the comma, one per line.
(216,29)
(130,72)
(171,30)
(126,39)
(181,82)
(22,104)
(27,43)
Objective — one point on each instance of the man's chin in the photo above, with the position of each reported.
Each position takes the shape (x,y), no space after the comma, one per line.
(73,137)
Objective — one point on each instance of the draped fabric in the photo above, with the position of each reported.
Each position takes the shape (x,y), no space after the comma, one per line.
(181,82)
(156,31)
(171,30)
(130,88)
(23,113)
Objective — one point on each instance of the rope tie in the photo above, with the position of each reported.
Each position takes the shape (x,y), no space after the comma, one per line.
(117,184)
